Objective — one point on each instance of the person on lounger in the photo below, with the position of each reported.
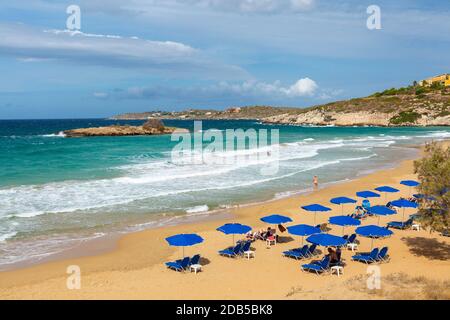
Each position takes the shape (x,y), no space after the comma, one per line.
(334,259)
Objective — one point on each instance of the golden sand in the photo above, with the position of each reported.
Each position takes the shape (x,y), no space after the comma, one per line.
(134,268)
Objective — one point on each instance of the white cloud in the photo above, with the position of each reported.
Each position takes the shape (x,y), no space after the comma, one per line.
(239,6)
(100,95)
(28,44)
(303,87)
(224,90)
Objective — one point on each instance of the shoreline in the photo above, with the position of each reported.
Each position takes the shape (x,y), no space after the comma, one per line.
(134,268)
(108,242)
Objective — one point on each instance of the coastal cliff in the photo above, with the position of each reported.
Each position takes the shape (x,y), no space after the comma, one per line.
(394,107)
(408,106)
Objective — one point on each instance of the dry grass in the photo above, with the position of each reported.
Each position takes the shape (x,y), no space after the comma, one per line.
(293,291)
(400,286)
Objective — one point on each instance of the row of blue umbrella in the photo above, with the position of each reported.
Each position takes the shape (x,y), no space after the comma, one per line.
(314,233)
(366,194)
(315,236)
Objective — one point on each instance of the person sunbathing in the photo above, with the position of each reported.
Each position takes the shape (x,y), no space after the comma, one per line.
(334,258)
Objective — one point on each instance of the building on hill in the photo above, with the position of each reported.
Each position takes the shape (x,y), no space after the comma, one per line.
(443,79)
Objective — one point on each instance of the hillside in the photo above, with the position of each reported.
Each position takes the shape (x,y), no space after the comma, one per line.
(251,112)
(409,106)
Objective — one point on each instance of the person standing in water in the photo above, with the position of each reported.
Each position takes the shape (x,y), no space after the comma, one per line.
(316,182)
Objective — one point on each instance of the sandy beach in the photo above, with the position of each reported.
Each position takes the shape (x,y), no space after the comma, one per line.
(133,268)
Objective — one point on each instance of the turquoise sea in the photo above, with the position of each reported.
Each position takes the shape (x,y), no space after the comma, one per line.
(56,192)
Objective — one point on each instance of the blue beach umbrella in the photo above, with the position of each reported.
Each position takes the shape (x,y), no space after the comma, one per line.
(302,230)
(234,228)
(422,196)
(315,208)
(386,190)
(184,240)
(410,184)
(344,221)
(276,219)
(341,201)
(326,240)
(403,203)
(381,211)
(373,232)
(367,194)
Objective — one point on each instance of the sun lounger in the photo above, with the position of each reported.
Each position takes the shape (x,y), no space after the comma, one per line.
(179,265)
(367,258)
(231,252)
(312,251)
(318,267)
(245,247)
(352,238)
(382,255)
(400,225)
(194,260)
(297,253)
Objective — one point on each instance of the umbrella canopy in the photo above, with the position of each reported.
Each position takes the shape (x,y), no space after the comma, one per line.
(302,230)
(326,240)
(373,232)
(367,194)
(403,203)
(234,228)
(315,208)
(276,219)
(387,189)
(409,183)
(422,196)
(342,200)
(344,221)
(381,210)
(184,240)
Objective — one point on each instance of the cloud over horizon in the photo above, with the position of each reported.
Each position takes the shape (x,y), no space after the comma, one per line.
(28,44)
(223,90)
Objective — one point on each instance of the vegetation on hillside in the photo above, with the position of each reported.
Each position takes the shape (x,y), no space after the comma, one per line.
(433,171)
(406,106)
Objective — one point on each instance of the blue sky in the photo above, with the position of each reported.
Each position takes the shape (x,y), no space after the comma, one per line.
(141,55)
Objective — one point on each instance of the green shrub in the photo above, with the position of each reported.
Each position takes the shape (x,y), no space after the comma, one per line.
(405,117)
